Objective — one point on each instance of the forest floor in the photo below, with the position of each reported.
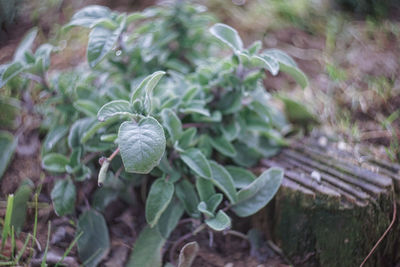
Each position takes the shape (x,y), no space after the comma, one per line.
(354,72)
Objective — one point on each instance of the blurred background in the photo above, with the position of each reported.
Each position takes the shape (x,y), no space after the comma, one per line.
(348,48)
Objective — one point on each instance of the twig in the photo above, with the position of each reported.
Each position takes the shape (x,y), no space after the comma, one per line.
(110,158)
(384,234)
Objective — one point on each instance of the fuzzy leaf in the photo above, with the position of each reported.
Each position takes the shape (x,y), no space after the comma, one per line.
(63,196)
(220,222)
(223,146)
(223,180)
(8,144)
(170,218)
(197,162)
(228,35)
(141,144)
(25,45)
(205,188)
(101,41)
(114,108)
(20,205)
(256,195)
(172,123)
(241,177)
(188,197)
(147,249)
(287,65)
(87,107)
(188,254)
(94,243)
(54,162)
(159,197)
(9,72)
(89,16)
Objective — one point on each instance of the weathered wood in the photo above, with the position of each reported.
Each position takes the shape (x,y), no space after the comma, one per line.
(333,206)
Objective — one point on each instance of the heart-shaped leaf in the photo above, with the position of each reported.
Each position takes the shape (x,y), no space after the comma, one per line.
(228,35)
(256,195)
(197,162)
(141,144)
(94,243)
(63,196)
(114,108)
(159,197)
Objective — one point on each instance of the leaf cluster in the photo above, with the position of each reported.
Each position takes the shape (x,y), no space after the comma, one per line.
(170,112)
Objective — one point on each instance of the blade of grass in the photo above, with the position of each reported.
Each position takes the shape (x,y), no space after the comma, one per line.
(21,252)
(69,248)
(7,263)
(13,245)
(7,220)
(35,199)
(47,247)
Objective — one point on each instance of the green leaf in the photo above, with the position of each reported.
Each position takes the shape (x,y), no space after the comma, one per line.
(94,243)
(172,123)
(287,65)
(220,222)
(231,130)
(188,254)
(297,112)
(89,16)
(245,156)
(187,195)
(43,52)
(8,144)
(101,42)
(214,201)
(241,177)
(151,84)
(205,188)
(141,144)
(197,162)
(20,205)
(147,249)
(267,62)
(256,195)
(114,108)
(223,146)
(63,196)
(170,218)
(25,45)
(223,180)
(146,86)
(202,207)
(159,197)
(87,107)
(9,72)
(77,131)
(255,47)
(54,162)
(102,197)
(228,35)
(54,136)
(187,138)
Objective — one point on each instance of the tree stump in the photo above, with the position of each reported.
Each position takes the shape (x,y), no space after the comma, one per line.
(333,206)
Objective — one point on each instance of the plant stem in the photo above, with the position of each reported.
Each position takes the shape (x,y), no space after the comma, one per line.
(110,158)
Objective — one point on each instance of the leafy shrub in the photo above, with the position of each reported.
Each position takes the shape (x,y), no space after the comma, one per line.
(170,112)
